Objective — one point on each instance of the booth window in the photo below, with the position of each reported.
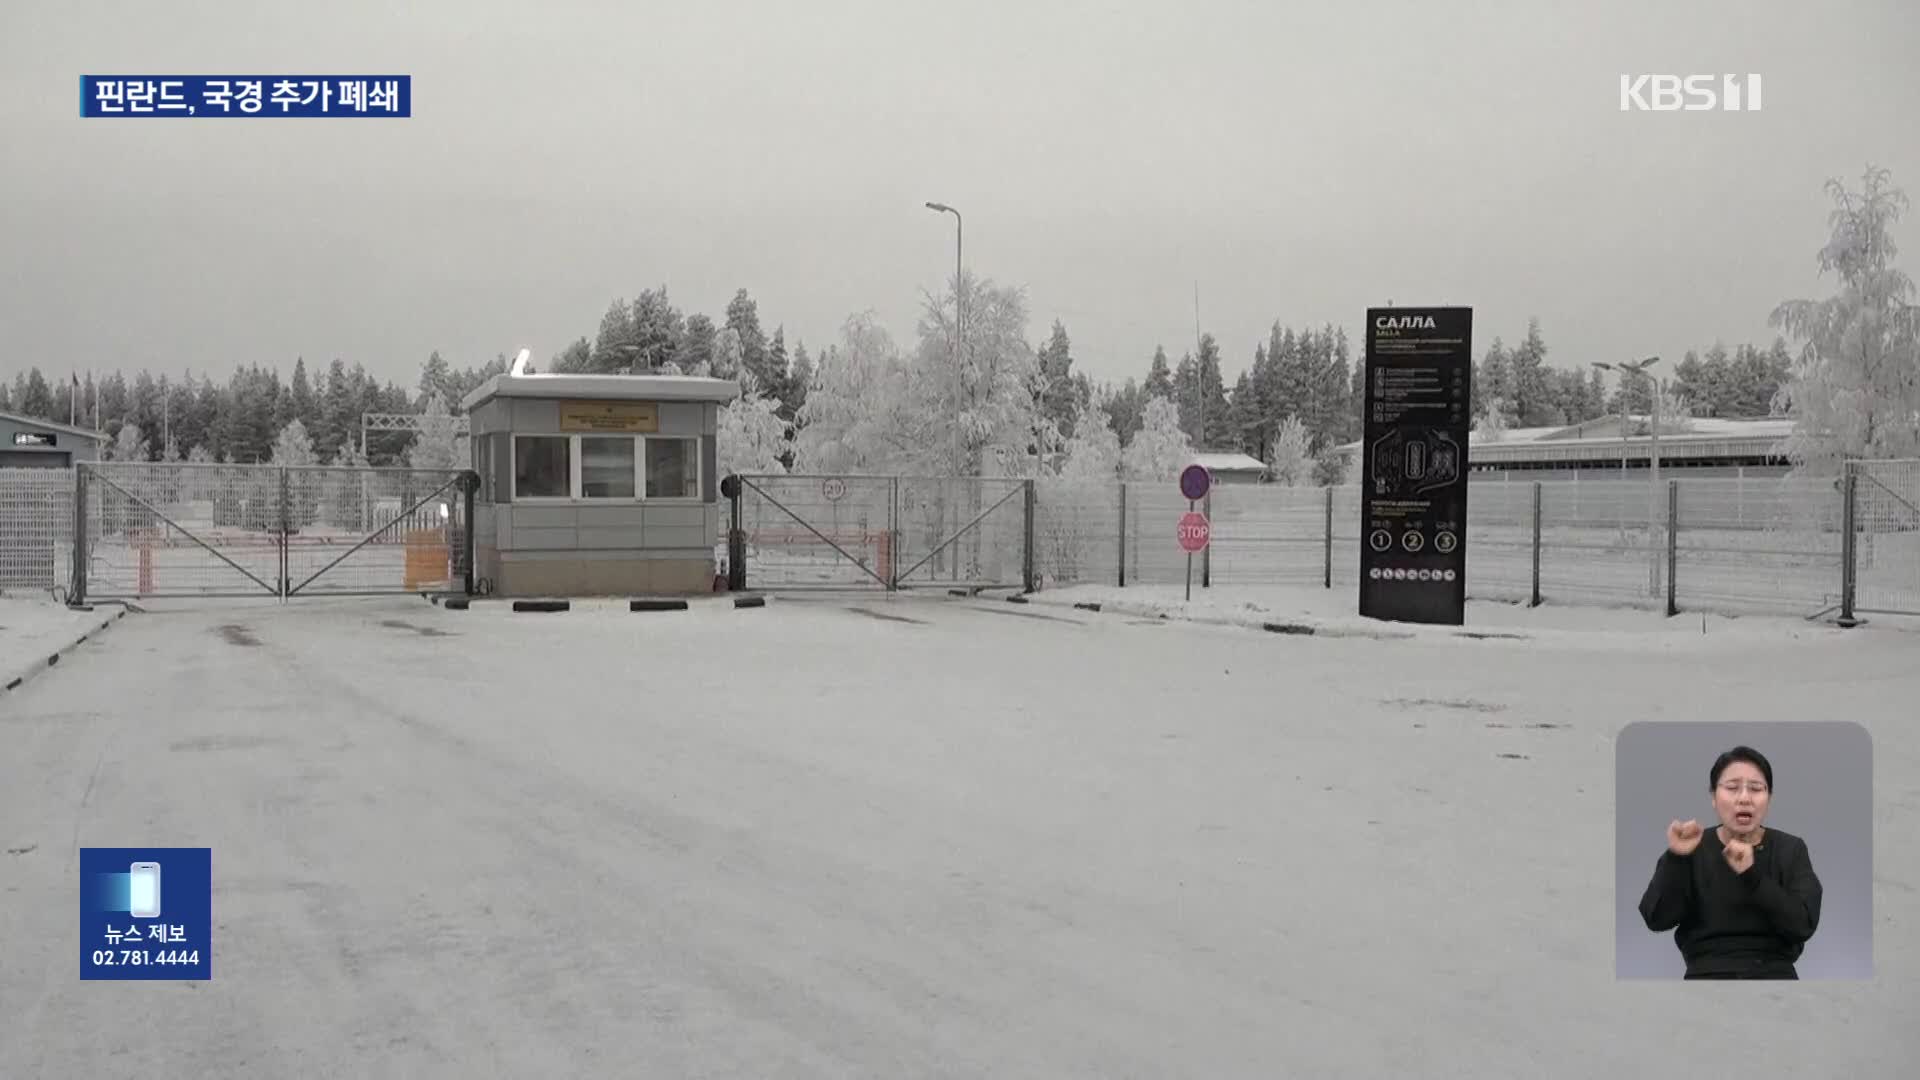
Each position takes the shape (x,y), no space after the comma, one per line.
(673,468)
(542,467)
(606,467)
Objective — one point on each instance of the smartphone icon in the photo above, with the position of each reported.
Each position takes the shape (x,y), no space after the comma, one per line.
(143,890)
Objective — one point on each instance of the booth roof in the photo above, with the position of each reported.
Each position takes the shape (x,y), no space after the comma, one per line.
(604,387)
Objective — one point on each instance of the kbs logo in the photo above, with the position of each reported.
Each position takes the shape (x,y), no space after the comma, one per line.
(1690,93)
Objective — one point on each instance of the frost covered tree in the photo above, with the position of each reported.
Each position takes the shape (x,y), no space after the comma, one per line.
(1675,410)
(293,448)
(1161,448)
(1855,387)
(346,496)
(1290,463)
(1093,454)
(986,389)
(1492,424)
(437,446)
(750,435)
(844,423)
(729,357)
(129,445)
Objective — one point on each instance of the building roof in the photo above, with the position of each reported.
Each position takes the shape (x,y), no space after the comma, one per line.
(604,388)
(65,429)
(1605,431)
(1229,463)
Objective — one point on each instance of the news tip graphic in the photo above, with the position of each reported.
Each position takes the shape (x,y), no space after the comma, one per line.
(146,913)
(251,96)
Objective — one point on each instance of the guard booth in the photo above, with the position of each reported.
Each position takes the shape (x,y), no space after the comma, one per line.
(596,485)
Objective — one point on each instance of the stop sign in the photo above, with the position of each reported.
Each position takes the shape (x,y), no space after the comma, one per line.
(1195,531)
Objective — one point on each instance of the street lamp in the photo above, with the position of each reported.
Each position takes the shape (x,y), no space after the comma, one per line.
(959,336)
(1626,370)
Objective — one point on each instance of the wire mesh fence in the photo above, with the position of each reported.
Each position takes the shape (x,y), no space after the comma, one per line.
(1734,544)
(188,529)
(1887,538)
(36,529)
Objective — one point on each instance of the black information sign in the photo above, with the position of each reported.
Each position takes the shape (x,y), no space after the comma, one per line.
(33,438)
(1413,500)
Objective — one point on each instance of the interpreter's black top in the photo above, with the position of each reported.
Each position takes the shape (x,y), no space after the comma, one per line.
(1736,924)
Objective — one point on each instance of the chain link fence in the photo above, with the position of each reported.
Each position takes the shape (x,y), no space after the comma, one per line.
(36,530)
(1734,544)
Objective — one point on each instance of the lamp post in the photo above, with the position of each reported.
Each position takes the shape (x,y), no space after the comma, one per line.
(1654,390)
(959,339)
(959,335)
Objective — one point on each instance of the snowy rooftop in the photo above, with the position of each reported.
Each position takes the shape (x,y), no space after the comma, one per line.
(1218,462)
(604,387)
(65,429)
(1607,429)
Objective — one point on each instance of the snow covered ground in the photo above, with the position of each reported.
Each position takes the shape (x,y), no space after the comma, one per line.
(909,836)
(32,629)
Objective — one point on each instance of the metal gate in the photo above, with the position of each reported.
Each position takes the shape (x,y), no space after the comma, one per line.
(882,532)
(150,530)
(1883,560)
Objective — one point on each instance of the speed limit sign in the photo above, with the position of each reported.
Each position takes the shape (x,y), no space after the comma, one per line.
(833,488)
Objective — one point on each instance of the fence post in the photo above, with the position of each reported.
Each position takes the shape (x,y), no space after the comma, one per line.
(77,587)
(1849,547)
(469,487)
(1328,568)
(286,529)
(1123,534)
(1026,568)
(893,541)
(1206,553)
(736,535)
(1673,546)
(1537,489)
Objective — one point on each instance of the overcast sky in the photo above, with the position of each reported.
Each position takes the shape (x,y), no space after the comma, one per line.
(1297,161)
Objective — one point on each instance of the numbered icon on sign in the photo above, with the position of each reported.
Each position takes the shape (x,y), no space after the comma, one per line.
(833,488)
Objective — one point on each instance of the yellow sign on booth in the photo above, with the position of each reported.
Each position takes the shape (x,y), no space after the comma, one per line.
(638,416)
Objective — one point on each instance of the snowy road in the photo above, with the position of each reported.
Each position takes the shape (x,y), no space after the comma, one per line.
(900,838)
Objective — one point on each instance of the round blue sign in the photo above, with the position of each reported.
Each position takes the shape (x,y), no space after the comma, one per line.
(1194,481)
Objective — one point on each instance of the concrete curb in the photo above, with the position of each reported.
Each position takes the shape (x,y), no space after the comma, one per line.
(53,659)
(656,605)
(640,604)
